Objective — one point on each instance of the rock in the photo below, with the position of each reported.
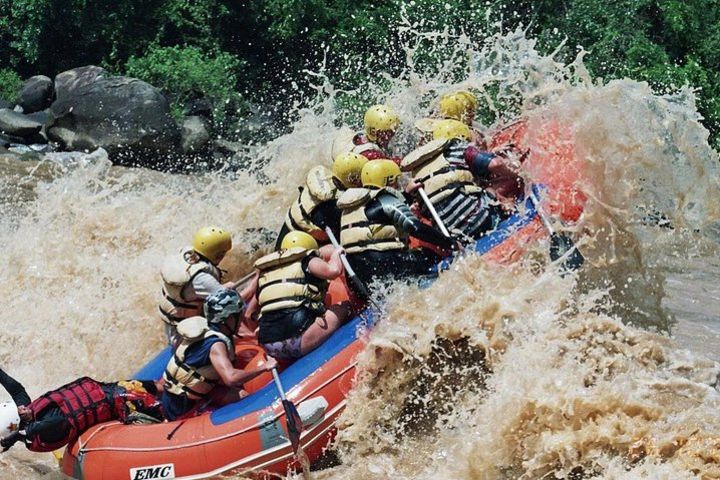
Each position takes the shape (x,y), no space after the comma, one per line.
(44,117)
(42,147)
(195,134)
(17,124)
(229,148)
(20,149)
(5,104)
(12,139)
(200,106)
(66,83)
(127,117)
(70,159)
(36,94)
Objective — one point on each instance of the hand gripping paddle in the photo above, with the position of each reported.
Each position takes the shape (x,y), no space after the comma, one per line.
(357,284)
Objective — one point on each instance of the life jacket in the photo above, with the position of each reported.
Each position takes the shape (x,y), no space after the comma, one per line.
(440,175)
(319,188)
(283,283)
(357,232)
(183,379)
(133,402)
(84,404)
(346,141)
(178,271)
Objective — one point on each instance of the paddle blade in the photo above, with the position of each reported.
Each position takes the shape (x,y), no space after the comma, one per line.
(560,245)
(294,424)
(360,288)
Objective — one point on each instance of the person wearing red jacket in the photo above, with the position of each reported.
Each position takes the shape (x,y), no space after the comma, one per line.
(60,416)
(381,124)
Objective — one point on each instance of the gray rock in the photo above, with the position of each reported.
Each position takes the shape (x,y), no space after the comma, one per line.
(227,147)
(66,83)
(36,94)
(15,148)
(195,134)
(126,116)
(198,107)
(43,117)
(17,124)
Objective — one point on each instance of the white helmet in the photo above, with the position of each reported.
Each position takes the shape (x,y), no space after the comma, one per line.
(9,418)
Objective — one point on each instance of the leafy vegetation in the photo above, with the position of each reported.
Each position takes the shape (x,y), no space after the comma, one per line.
(186,73)
(268,43)
(10,83)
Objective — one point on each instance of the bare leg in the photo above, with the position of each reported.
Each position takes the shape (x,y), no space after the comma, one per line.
(324,326)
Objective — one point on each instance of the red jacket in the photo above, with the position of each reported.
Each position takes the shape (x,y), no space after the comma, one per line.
(84,404)
(373,153)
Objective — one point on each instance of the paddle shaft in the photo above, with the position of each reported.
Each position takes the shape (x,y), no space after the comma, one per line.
(561,245)
(433,212)
(278,384)
(536,202)
(244,279)
(343,258)
(291,415)
(349,270)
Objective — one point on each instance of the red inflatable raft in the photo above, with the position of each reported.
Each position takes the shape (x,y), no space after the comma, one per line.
(249,437)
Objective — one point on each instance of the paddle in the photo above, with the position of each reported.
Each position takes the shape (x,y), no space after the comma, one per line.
(242,280)
(433,212)
(560,244)
(292,417)
(357,284)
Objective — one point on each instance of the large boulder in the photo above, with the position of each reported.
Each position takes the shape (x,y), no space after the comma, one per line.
(17,124)
(36,94)
(126,116)
(66,83)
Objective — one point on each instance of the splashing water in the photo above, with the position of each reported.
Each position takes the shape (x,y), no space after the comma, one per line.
(492,372)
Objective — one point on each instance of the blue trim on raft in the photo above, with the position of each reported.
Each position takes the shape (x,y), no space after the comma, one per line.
(338,341)
(503,232)
(297,372)
(155,367)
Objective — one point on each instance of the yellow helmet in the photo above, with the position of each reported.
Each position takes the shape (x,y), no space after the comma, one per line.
(298,239)
(347,168)
(380,118)
(459,105)
(450,129)
(212,243)
(380,173)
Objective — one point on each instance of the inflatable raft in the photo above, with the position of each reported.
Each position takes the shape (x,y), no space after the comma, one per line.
(249,437)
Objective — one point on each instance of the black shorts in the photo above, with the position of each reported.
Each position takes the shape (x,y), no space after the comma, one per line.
(288,322)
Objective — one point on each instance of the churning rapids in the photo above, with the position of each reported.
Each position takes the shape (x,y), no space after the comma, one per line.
(491,373)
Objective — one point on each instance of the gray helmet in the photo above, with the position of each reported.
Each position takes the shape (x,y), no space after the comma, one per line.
(221,305)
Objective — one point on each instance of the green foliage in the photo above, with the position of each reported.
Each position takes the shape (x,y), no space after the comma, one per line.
(10,83)
(667,43)
(186,73)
